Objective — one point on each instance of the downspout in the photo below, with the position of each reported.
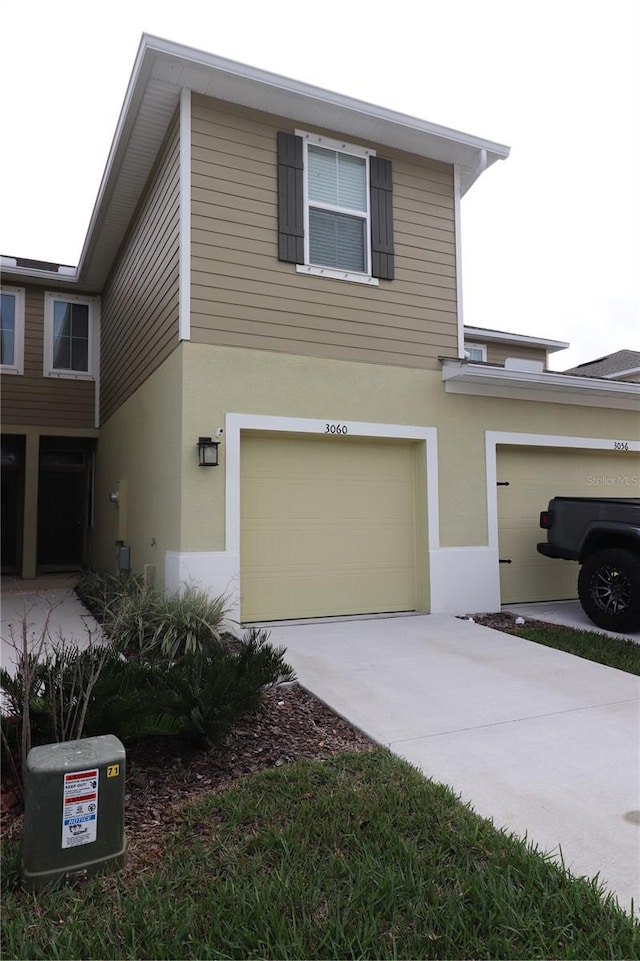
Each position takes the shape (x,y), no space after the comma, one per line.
(481,165)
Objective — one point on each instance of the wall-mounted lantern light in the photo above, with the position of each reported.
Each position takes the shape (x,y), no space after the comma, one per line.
(208,452)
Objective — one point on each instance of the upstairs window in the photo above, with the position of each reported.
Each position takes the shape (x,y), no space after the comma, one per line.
(12,330)
(475,352)
(337,210)
(70,336)
(335,215)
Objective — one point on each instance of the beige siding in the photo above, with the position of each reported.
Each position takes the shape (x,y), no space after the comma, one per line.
(32,399)
(140,299)
(243,296)
(498,353)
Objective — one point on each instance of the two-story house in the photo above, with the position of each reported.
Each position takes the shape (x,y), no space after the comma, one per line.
(276,268)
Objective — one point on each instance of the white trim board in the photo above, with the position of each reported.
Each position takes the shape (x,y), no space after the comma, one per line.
(493,438)
(184,309)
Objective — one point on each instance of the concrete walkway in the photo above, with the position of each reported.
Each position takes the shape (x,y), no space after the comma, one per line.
(46,607)
(544,743)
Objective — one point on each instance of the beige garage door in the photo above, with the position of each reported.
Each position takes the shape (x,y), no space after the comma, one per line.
(535,475)
(327,527)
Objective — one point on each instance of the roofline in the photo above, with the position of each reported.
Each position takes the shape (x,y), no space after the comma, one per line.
(163,68)
(289,85)
(505,337)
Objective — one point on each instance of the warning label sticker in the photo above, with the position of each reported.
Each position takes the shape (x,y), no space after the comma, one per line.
(80,808)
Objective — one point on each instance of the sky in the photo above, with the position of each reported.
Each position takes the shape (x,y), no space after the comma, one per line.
(550,237)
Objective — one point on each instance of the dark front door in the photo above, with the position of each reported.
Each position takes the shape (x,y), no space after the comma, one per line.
(12,502)
(62,508)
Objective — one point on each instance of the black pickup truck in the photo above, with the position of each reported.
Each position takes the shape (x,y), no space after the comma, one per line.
(603,535)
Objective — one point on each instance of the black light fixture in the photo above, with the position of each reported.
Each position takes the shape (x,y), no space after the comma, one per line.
(208,452)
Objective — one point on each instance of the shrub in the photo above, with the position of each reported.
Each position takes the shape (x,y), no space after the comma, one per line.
(47,696)
(97,590)
(142,620)
(212,687)
(61,693)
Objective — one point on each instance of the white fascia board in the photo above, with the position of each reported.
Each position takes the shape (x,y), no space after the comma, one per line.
(468,378)
(621,373)
(503,337)
(63,272)
(180,58)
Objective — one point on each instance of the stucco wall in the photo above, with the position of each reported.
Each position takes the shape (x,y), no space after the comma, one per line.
(139,457)
(218,380)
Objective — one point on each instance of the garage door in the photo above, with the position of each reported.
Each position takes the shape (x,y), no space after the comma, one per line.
(327,527)
(534,476)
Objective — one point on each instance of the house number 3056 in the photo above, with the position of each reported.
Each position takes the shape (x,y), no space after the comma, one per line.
(335,429)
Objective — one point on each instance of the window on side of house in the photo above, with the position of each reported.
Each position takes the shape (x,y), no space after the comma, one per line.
(12,330)
(477,352)
(70,336)
(335,215)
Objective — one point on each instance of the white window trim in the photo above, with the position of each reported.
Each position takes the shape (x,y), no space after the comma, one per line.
(17,367)
(94,319)
(480,347)
(355,150)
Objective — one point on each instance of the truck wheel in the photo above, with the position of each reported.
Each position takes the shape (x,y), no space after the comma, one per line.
(609,589)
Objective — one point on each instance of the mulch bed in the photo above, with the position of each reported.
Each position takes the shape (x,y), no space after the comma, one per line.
(165,772)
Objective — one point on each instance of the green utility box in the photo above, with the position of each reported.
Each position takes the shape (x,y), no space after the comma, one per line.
(74,811)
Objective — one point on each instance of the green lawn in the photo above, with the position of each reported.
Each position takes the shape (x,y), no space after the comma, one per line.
(615,652)
(358,857)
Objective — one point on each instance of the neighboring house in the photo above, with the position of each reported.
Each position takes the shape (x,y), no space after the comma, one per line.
(276,267)
(623,365)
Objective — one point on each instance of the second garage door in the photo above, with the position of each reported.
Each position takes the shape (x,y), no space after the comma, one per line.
(534,476)
(327,527)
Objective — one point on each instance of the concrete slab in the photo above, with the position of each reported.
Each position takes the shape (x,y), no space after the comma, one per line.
(566,613)
(50,613)
(545,743)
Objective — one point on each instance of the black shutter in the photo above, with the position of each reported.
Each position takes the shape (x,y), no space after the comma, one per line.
(290,199)
(381,190)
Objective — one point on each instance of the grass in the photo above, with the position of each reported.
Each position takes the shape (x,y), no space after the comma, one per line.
(358,857)
(617,652)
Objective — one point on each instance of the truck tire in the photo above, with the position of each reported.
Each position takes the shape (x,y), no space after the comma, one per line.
(609,589)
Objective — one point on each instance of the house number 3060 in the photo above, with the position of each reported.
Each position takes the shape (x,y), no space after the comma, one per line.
(335,429)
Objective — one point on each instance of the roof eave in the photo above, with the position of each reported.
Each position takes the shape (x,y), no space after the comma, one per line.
(472,378)
(163,68)
(504,337)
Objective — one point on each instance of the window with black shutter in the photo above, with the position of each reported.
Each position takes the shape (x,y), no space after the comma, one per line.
(335,208)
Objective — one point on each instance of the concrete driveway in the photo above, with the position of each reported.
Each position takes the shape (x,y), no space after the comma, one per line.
(544,743)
